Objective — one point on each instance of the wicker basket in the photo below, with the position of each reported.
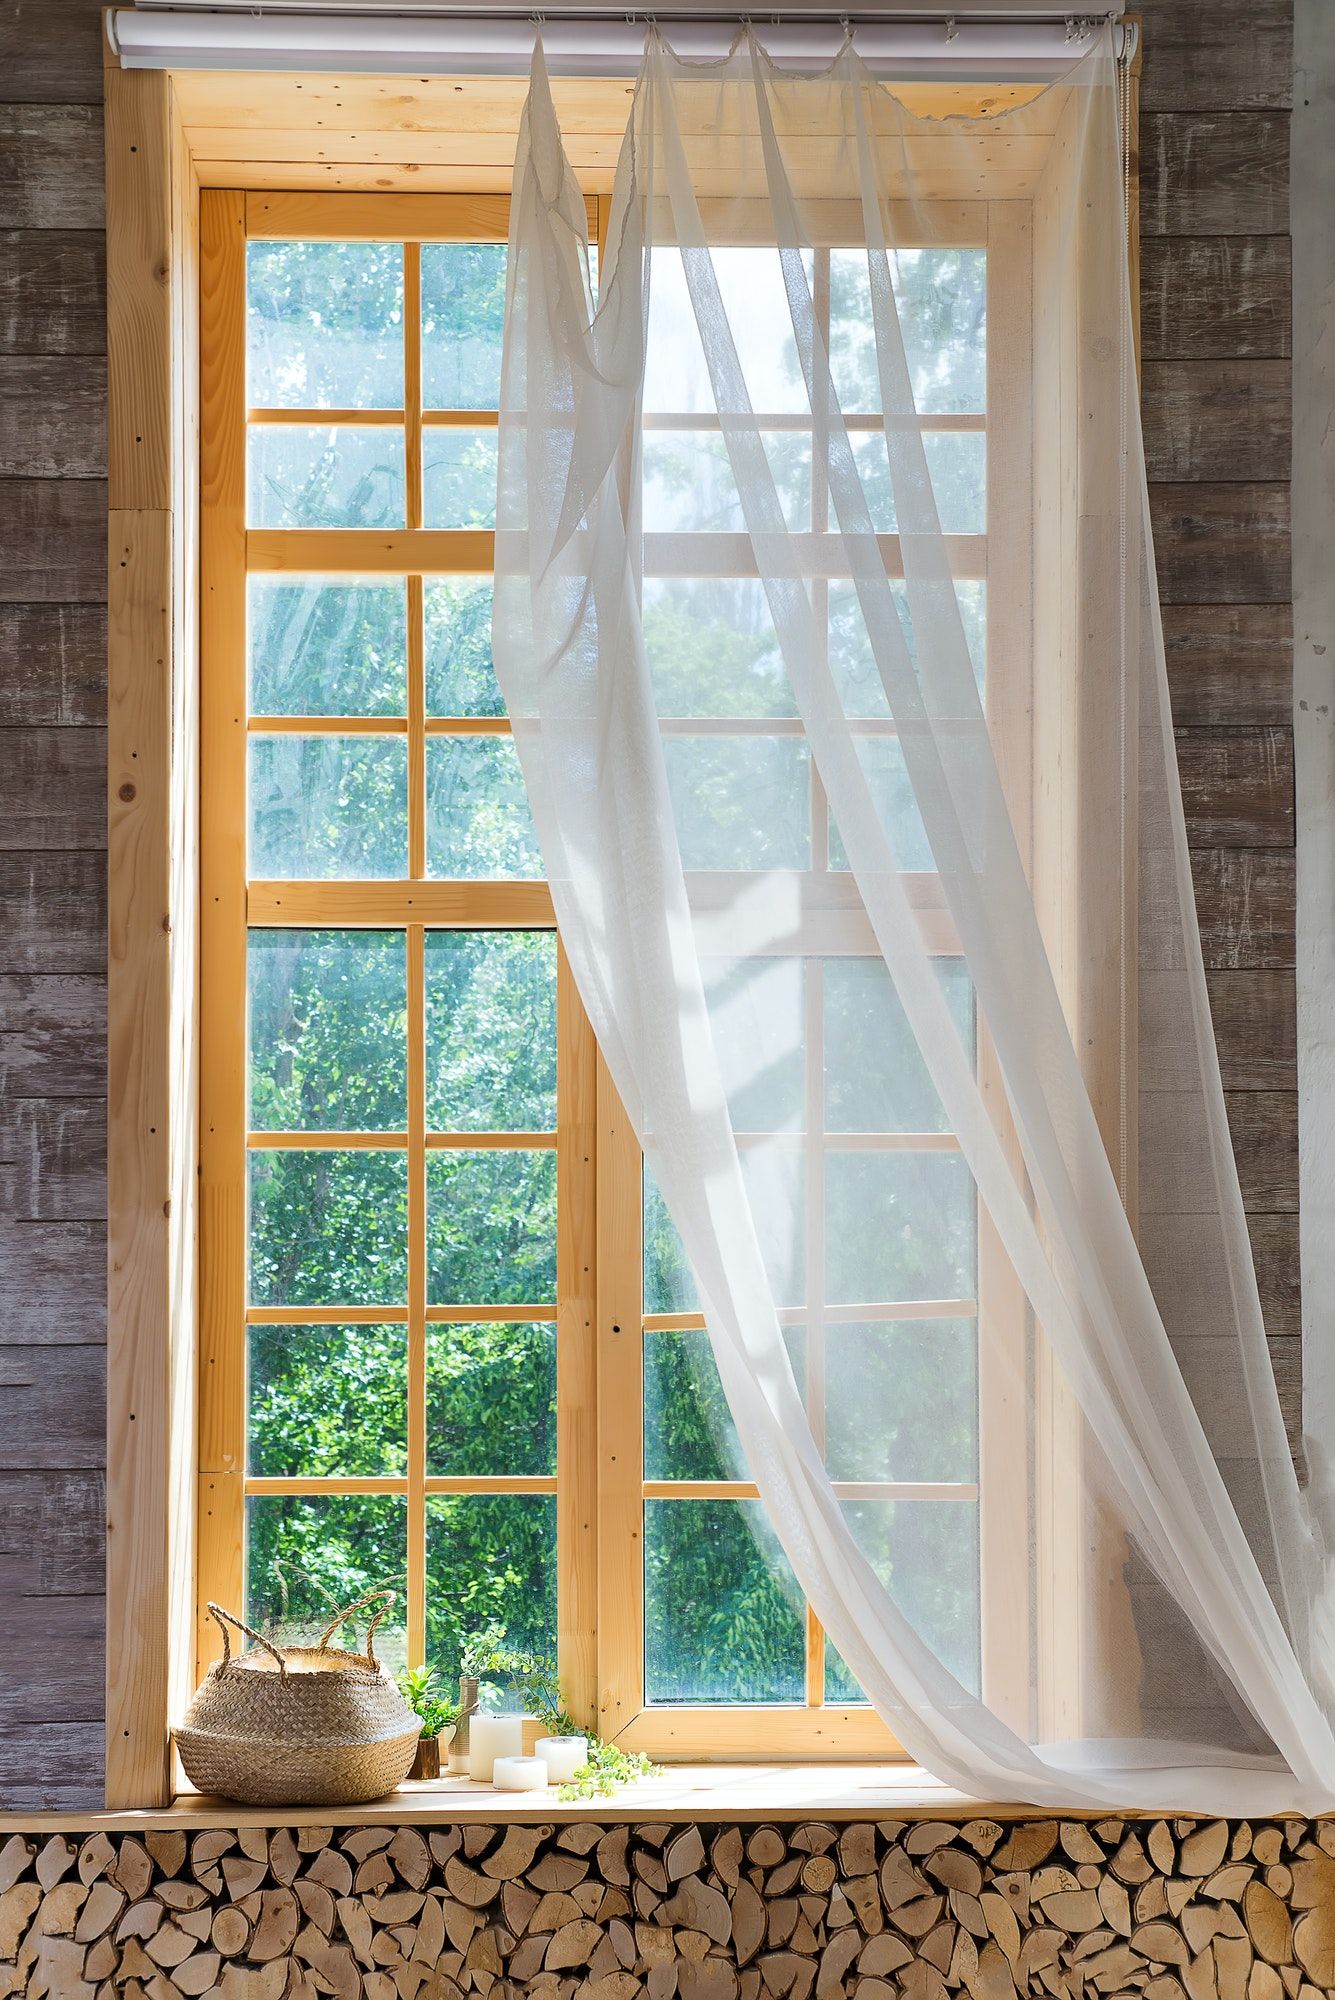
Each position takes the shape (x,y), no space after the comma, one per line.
(304,1726)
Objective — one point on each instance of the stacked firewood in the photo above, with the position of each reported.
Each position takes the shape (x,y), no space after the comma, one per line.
(891,1910)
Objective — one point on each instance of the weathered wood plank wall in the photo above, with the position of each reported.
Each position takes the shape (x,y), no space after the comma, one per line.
(52,901)
(1215,327)
(1215,304)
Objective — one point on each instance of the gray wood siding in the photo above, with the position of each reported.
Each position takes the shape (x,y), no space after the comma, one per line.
(52,903)
(1216,342)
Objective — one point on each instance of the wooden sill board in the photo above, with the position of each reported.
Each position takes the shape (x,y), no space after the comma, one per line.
(742,1792)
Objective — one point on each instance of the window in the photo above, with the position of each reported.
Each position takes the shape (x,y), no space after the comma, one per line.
(392,1135)
(448,1337)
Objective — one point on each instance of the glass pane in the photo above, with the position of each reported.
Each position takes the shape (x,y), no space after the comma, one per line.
(776,1191)
(324,325)
(491,1400)
(325,476)
(740,801)
(852,662)
(882,758)
(723,1616)
(328,1018)
(489,1559)
(327,1400)
(712,647)
(478,823)
(491,1227)
(326,808)
(307,1558)
(956,466)
(901,1399)
(898,1226)
(689,487)
(491,1031)
(875,1079)
(328,1228)
(757,1017)
(459,478)
(756,309)
(926,1554)
(688,1431)
(463,313)
(460,677)
(328,648)
(941,295)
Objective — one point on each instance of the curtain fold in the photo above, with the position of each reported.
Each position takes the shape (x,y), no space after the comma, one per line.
(826,620)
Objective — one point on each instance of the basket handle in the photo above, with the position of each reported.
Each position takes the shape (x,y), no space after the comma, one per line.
(347,1612)
(226,1618)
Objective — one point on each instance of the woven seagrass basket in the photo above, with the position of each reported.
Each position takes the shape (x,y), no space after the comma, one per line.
(300,1725)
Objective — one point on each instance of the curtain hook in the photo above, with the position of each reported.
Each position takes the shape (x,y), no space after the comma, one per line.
(951,29)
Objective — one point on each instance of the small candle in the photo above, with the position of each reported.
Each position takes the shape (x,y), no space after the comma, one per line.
(490,1737)
(562,1755)
(519,1774)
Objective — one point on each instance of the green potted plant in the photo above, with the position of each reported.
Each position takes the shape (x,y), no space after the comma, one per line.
(437,1715)
(533,1680)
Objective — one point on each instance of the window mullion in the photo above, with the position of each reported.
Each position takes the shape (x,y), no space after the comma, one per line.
(417,1294)
(577,1525)
(813,991)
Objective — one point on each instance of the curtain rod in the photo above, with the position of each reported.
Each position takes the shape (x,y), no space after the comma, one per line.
(961,47)
(925,12)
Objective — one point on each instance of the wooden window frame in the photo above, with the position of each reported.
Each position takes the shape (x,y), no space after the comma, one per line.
(231,553)
(168,136)
(821,1728)
(600,1571)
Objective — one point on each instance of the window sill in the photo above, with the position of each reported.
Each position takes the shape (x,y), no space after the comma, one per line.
(743,1792)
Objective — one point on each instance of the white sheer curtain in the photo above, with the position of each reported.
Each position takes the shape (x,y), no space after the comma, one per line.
(825,615)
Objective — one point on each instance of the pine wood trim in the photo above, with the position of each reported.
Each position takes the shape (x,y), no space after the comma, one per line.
(221,1334)
(152,938)
(620,1179)
(324,215)
(577,1224)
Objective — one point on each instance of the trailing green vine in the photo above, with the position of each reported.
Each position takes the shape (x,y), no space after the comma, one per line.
(606,1770)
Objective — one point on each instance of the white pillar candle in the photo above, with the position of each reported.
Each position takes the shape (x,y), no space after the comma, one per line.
(519,1774)
(562,1755)
(490,1737)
